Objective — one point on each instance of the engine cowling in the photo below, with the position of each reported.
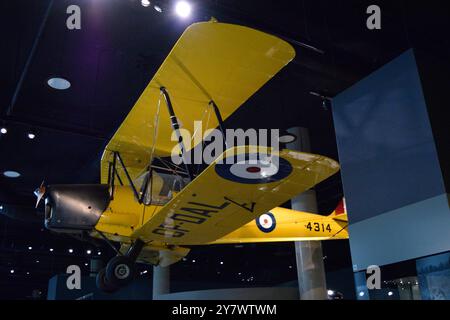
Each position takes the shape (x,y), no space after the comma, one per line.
(75,208)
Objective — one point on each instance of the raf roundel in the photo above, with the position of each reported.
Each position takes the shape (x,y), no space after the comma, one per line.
(255,169)
(266,222)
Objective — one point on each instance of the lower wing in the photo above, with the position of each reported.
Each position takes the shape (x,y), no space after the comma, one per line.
(240,185)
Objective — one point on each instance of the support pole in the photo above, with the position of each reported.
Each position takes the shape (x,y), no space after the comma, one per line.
(176,128)
(130,181)
(135,249)
(113,175)
(220,121)
(161,281)
(309,257)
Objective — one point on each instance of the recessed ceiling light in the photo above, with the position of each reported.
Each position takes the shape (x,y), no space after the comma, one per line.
(88,251)
(157,8)
(12,271)
(11,174)
(31,135)
(99,253)
(183,9)
(51,249)
(70,250)
(30,248)
(3,131)
(58,83)
(145,3)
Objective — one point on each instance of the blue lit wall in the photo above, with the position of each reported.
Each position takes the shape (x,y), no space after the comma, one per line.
(398,207)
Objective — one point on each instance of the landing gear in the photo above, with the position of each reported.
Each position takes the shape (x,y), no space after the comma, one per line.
(103,284)
(120,270)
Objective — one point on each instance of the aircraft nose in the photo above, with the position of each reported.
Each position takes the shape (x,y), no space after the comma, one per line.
(75,207)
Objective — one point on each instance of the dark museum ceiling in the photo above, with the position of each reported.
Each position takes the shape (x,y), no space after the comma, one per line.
(112,58)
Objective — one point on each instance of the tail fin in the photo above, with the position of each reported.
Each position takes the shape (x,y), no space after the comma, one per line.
(340,213)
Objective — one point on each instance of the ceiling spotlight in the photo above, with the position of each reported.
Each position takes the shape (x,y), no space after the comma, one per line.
(330,292)
(11,174)
(31,135)
(58,83)
(3,130)
(99,253)
(144,272)
(145,3)
(361,293)
(193,261)
(70,250)
(30,248)
(157,8)
(28,272)
(51,249)
(221,262)
(12,271)
(88,251)
(1,207)
(183,9)
(86,264)
(37,261)
(390,293)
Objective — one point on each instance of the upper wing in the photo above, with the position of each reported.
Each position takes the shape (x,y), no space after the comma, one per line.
(225,196)
(211,61)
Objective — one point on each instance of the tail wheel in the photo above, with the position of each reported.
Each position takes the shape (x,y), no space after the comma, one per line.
(120,271)
(103,284)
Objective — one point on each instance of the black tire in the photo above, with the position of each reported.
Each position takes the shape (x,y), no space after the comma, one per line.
(120,271)
(103,284)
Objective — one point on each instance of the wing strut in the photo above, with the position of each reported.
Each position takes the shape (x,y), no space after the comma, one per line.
(113,173)
(176,128)
(219,120)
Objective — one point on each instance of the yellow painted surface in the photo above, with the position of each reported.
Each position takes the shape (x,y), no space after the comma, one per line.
(124,214)
(207,209)
(290,225)
(228,64)
(211,61)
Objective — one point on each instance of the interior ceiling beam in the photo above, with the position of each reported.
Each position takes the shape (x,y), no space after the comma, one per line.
(24,73)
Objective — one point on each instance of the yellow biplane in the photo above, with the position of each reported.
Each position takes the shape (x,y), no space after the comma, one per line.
(157,210)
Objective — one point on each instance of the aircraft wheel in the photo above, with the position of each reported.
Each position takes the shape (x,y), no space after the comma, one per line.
(120,271)
(103,284)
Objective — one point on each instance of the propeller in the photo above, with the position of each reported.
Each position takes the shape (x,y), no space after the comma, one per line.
(40,193)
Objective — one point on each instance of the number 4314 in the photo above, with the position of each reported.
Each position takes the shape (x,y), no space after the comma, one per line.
(318,227)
